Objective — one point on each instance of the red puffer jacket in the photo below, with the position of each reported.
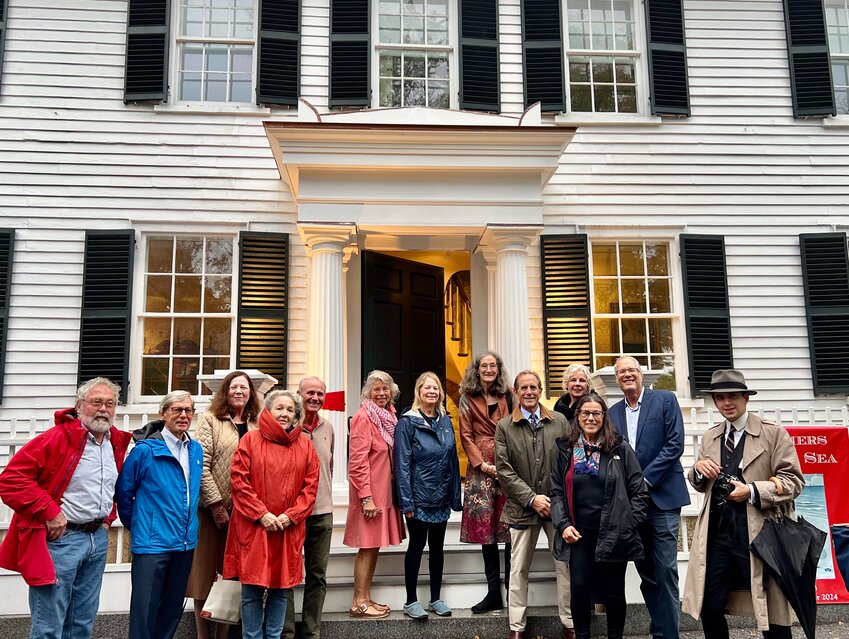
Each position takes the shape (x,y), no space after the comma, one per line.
(32,485)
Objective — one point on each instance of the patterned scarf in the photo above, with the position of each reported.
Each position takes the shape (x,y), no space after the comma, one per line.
(385,420)
(585,457)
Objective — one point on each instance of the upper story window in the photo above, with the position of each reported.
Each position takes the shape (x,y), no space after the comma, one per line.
(837,22)
(602,56)
(215,50)
(414,53)
(187,321)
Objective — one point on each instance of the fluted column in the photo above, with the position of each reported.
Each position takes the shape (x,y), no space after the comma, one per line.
(326,339)
(509,305)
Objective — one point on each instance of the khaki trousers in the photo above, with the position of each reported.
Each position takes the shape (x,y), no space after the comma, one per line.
(524,543)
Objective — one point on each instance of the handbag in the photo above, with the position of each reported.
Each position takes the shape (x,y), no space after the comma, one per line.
(224,602)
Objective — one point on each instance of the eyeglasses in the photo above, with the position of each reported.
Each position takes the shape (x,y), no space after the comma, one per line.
(179,411)
(627,371)
(99,403)
(489,366)
(595,414)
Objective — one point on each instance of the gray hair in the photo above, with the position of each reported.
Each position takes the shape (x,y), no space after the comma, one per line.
(86,387)
(273,396)
(527,371)
(575,368)
(309,378)
(379,376)
(174,396)
(632,358)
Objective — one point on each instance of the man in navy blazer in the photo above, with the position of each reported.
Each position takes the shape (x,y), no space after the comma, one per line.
(651,421)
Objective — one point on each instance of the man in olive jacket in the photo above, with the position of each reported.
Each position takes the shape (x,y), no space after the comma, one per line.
(524,452)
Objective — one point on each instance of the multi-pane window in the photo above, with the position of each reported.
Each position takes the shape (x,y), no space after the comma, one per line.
(414,52)
(188,311)
(837,19)
(602,55)
(632,306)
(215,49)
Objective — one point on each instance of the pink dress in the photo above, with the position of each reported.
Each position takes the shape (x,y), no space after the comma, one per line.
(370,473)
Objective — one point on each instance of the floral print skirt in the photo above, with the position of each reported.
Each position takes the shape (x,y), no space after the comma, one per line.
(484,501)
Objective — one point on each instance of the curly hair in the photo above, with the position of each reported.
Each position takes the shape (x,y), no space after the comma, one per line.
(575,368)
(472,385)
(385,378)
(608,438)
(220,406)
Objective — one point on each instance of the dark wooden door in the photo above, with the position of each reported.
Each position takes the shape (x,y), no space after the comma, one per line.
(403,320)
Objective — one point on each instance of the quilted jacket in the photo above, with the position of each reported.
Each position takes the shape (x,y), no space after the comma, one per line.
(219,439)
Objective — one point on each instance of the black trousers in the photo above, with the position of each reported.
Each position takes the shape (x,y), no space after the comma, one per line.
(589,577)
(422,532)
(159,591)
(727,566)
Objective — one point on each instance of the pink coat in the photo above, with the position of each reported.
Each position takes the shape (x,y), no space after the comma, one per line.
(370,474)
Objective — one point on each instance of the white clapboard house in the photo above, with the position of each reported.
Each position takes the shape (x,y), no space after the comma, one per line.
(331,186)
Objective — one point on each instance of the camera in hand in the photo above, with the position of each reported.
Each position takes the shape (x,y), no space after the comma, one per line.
(722,487)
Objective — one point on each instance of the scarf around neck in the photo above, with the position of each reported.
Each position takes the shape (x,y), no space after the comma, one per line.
(585,457)
(384,419)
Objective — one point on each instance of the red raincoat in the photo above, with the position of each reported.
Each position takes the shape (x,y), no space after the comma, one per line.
(277,472)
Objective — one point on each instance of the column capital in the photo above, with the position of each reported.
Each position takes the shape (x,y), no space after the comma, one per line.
(508,238)
(324,238)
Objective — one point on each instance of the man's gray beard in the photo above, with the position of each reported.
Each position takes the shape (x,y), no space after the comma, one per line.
(98,425)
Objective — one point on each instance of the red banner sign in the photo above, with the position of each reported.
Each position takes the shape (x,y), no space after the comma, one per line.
(824,455)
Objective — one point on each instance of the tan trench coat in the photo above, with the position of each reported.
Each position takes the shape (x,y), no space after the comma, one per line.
(768,452)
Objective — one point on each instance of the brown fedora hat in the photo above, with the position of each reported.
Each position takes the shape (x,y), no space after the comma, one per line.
(728,380)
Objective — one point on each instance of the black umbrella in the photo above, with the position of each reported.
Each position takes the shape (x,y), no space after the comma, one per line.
(790,549)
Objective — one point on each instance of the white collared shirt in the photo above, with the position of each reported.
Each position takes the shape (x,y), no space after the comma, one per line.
(632,417)
(739,425)
(180,449)
(527,414)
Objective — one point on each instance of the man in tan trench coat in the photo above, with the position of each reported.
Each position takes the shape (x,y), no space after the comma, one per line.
(722,575)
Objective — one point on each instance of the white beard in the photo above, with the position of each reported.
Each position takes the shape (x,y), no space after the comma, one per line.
(98,425)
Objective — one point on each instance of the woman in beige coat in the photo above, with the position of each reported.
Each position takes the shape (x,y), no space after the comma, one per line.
(771,469)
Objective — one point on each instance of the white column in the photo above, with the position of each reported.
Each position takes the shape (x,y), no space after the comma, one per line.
(326,343)
(509,304)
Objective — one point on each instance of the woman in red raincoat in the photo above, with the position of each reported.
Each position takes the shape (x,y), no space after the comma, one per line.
(274,480)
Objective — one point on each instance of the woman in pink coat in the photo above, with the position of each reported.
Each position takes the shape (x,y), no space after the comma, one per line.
(374,522)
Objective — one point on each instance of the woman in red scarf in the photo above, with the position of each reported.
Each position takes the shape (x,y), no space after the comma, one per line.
(274,480)
(374,522)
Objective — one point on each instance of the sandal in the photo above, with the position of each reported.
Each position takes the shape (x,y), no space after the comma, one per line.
(368,611)
(379,606)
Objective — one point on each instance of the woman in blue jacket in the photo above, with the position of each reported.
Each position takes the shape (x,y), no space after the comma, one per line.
(427,472)
(157,497)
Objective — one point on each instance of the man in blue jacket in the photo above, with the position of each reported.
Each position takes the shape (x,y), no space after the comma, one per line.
(651,421)
(157,496)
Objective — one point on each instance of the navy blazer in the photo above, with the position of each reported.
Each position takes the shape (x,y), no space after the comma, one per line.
(659,445)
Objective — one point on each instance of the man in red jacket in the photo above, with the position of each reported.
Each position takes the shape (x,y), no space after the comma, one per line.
(61,486)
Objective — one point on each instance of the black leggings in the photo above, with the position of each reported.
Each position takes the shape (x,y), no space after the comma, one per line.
(434,535)
(588,576)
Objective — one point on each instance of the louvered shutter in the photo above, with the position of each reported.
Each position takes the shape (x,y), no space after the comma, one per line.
(567,325)
(263,303)
(807,49)
(706,307)
(7,250)
(667,57)
(479,55)
(106,307)
(146,76)
(349,53)
(825,273)
(542,47)
(4,7)
(279,52)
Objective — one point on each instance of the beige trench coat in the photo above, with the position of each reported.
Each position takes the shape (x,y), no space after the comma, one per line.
(768,452)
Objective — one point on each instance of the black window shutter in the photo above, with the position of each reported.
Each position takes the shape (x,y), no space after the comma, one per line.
(669,90)
(825,274)
(106,307)
(479,55)
(7,250)
(349,53)
(4,8)
(263,303)
(542,47)
(146,76)
(706,307)
(807,49)
(567,324)
(279,52)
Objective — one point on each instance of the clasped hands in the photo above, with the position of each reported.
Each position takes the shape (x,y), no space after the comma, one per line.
(275,523)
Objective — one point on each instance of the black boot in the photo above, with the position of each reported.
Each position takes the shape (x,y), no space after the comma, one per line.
(491,569)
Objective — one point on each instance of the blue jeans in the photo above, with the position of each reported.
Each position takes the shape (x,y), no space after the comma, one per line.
(659,570)
(255,623)
(67,608)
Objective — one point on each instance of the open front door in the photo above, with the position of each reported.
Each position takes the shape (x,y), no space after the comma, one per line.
(403,320)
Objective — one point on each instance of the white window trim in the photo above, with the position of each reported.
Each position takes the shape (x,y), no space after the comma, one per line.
(204,106)
(642,116)
(136,400)
(451,49)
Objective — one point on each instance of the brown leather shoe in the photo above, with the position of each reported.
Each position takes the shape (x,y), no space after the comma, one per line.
(568,633)
(517,634)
